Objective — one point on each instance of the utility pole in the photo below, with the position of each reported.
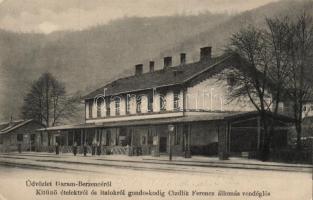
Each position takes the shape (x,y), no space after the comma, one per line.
(170,133)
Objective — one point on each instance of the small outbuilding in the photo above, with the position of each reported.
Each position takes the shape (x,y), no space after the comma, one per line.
(20,133)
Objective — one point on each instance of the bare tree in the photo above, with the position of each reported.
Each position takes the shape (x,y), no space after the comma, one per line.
(278,36)
(300,81)
(251,48)
(47,101)
(263,53)
(277,67)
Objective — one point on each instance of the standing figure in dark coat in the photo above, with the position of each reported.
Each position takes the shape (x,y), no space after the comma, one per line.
(57,148)
(93,148)
(85,149)
(75,148)
(98,149)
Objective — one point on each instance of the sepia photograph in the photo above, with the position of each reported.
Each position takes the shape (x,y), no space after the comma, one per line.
(156,99)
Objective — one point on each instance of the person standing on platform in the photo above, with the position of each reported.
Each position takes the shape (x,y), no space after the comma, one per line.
(85,149)
(93,148)
(98,149)
(57,150)
(75,148)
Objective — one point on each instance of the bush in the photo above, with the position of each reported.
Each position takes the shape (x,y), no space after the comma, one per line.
(291,156)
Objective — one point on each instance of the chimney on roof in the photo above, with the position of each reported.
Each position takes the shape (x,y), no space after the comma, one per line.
(151,66)
(167,62)
(205,54)
(182,58)
(138,69)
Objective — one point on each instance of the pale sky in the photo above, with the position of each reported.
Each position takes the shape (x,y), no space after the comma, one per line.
(50,15)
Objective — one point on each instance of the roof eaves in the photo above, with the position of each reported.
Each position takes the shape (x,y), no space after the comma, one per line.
(129,91)
(209,67)
(9,129)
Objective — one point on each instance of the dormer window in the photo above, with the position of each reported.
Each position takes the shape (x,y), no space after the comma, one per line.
(231,81)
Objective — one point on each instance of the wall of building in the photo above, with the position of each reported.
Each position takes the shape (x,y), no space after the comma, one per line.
(212,95)
(167,96)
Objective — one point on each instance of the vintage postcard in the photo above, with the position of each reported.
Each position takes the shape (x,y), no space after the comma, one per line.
(156,99)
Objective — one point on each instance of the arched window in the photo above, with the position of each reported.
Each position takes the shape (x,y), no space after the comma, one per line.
(117,106)
(99,103)
(162,102)
(176,100)
(138,104)
(90,104)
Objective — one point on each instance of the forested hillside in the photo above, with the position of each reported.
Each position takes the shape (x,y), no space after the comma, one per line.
(87,59)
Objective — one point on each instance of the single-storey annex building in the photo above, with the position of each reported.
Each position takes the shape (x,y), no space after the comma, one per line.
(21,132)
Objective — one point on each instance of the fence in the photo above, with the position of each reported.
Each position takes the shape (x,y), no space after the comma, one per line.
(105,150)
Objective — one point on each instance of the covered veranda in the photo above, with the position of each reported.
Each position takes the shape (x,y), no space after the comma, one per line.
(209,134)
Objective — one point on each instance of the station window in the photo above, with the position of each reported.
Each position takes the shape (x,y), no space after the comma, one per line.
(138,104)
(117,106)
(176,100)
(99,104)
(90,104)
(128,99)
(162,102)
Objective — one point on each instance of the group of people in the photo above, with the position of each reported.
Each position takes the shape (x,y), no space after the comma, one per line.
(95,149)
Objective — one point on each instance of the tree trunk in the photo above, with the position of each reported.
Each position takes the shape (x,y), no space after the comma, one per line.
(265,147)
(47,103)
(299,133)
(298,124)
